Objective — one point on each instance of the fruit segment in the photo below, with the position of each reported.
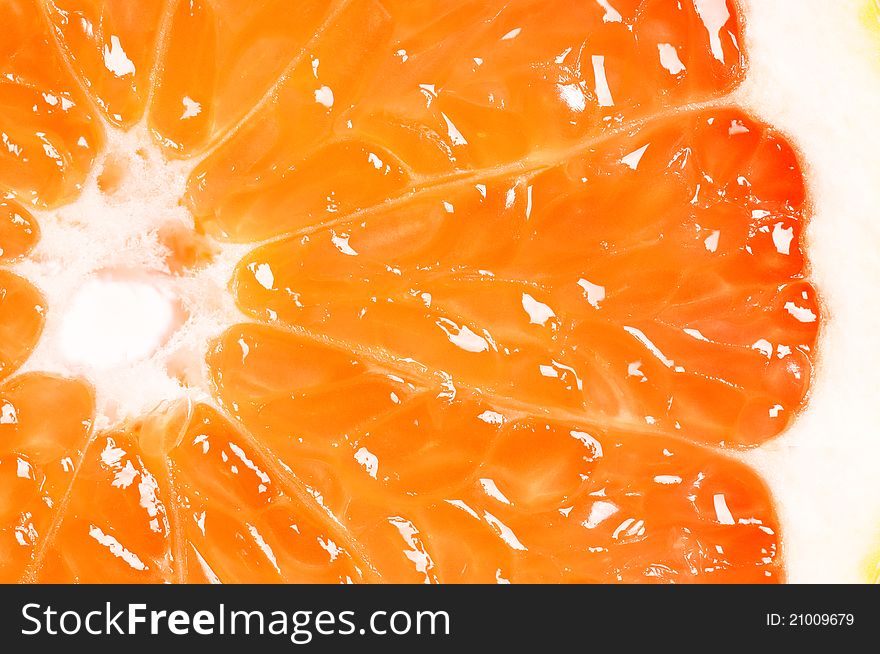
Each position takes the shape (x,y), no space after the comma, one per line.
(245,517)
(438,484)
(18,231)
(40,453)
(49,137)
(181,495)
(115,525)
(395,95)
(22,311)
(112,45)
(550,288)
(232,53)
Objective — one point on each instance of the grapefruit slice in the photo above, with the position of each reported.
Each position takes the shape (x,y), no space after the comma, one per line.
(516,277)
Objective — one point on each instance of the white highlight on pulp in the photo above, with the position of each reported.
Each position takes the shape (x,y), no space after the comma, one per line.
(573,95)
(611,14)
(722,512)
(548,371)
(264,275)
(115,59)
(538,312)
(603,93)
(714,14)
(669,58)
(374,159)
(490,417)
(23,469)
(116,548)
(324,96)
(463,336)
(763,346)
(368,460)
(330,547)
(341,243)
(416,552)
(629,528)
(529,201)
(595,293)
(633,158)
(505,532)
(802,314)
(738,127)
(191,108)
(261,474)
(491,489)
(460,504)
(263,545)
(696,333)
(711,241)
(455,137)
(599,512)
(590,442)
(782,238)
(8,416)
(640,336)
(633,369)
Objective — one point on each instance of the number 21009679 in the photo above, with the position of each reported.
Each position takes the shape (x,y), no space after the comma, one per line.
(810,620)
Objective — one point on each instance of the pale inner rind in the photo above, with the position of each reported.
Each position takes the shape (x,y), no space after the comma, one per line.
(814,73)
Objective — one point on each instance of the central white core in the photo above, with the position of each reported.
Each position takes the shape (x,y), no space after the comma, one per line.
(113,320)
(117,314)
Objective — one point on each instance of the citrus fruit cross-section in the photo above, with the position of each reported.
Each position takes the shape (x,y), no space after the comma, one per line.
(436,291)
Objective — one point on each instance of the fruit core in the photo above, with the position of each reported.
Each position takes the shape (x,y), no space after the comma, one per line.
(118,317)
(134,294)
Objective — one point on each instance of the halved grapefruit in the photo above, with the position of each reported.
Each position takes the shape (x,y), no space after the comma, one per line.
(513,280)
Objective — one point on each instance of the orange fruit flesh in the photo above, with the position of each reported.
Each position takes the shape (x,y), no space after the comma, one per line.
(18,231)
(528,278)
